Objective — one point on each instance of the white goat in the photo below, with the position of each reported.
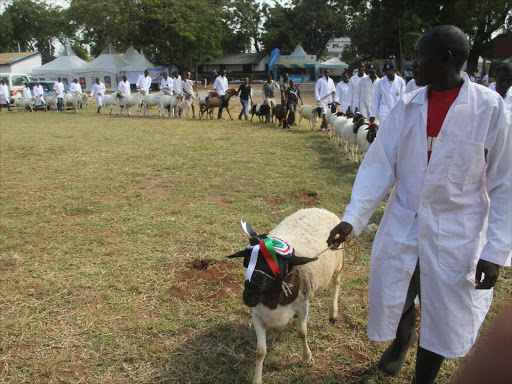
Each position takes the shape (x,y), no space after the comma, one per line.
(365,136)
(111,100)
(24,103)
(133,99)
(51,102)
(337,123)
(310,113)
(331,113)
(171,102)
(75,99)
(274,300)
(349,138)
(184,106)
(149,101)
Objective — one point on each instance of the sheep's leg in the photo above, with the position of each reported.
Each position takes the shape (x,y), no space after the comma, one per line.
(302,330)
(261,347)
(333,311)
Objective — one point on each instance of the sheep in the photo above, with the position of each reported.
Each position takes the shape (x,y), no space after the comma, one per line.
(310,113)
(305,267)
(279,112)
(24,103)
(349,137)
(366,134)
(337,123)
(331,113)
(261,110)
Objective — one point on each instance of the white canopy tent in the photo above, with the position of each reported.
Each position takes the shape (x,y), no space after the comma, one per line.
(64,66)
(136,66)
(335,66)
(107,66)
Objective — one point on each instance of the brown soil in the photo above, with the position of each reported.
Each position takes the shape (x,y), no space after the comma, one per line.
(307,198)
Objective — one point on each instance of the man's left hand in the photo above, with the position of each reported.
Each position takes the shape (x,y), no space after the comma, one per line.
(491,272)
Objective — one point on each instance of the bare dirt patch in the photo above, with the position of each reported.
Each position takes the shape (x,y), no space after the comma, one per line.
(206,279)
(218,200)
(307,198)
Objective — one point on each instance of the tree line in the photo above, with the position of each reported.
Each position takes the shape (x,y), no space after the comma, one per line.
(186,33)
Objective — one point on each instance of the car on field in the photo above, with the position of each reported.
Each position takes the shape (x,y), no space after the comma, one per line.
(15,82)
(47,87)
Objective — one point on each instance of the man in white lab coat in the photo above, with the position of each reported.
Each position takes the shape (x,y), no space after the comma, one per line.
(324,91)
(166,84)
(447,222)
(221,86)
(390,89)
(25,92)
(75,87)
(177,87)
(354,88)
(38,92)
(144,82)
(341,93)
(123,89)
(367,87)
(58,87)
(4,95)
(98,90)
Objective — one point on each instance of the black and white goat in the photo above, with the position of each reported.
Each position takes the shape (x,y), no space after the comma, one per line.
(366,134)
(261,110)
(277,288)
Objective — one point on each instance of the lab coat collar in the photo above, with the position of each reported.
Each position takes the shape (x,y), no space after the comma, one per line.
(463,97)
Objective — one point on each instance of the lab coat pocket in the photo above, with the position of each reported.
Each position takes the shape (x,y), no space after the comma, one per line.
(467,163)
(458,240)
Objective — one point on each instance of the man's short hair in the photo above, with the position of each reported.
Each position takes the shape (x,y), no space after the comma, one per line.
(449,38)
(504,67)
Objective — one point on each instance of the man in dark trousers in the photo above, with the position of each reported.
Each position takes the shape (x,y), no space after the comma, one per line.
(446,151)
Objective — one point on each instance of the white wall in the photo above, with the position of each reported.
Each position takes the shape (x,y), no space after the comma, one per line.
(23,66)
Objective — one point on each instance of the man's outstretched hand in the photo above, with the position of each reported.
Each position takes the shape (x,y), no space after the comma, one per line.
(338,234)
(491,272)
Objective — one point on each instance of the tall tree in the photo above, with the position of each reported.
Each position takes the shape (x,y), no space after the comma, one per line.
(245,17)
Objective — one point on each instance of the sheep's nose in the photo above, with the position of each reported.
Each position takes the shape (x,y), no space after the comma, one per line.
(250,300)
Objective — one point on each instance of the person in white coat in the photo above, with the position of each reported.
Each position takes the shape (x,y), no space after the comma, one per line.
(354,90)
(341,93)
(38,92)
(4,96)
(58,87)
(324,91)
(387,93)
(166,84)
(25,92)
(98,90)
(503,83)
(75,87)
(177,87)
(221,86)
(411,86)
(123,89)
(447,222)
(144,82)
(367,87)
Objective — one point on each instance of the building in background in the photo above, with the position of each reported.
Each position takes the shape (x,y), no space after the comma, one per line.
(19,62)
(336,46)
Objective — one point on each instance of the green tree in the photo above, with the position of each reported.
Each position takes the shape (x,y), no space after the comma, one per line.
(244,17)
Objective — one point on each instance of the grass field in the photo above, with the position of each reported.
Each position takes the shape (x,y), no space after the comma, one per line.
(114,233)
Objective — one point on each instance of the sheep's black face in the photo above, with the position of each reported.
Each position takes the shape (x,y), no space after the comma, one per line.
(372,132)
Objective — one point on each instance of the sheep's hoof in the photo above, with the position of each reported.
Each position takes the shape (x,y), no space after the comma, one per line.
(332,321)
(308,360)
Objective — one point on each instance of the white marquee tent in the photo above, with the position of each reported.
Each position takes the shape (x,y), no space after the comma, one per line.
(334,65)
(136,66)
(107,66)
(63,66)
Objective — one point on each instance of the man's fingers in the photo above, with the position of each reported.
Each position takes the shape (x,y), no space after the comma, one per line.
(478,274)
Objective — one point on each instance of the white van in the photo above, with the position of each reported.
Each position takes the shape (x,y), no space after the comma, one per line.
(15,82)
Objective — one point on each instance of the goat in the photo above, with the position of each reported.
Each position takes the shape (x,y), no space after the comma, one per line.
(261,110)
(111,100)
(310,113)
(337,122)
(366,134)
(51,102)
(279,112)
(185,105)
(149,101)
(333,108)
(132,99)
(304,268)
(24,103)
(349,136)
(75,99)
(171,102)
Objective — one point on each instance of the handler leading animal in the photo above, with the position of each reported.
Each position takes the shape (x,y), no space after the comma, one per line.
(446,150)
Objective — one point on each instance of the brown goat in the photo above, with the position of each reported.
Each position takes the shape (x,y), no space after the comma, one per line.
(217,102)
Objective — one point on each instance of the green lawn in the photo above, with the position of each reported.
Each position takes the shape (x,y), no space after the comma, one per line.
(114,233)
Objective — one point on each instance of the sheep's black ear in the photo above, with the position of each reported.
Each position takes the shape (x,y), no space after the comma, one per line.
(242,253)
(301,260)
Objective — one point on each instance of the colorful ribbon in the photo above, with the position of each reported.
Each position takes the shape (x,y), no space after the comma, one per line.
(267,248)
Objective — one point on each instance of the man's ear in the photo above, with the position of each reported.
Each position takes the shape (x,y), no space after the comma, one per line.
(295,260)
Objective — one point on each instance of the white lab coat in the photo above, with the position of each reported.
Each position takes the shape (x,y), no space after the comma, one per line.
(411,86)
(385,97)
(75,87)
(166,85)
(492,86)
(4,94)
(221,85)
(25,93)
(323,88)
(341,96)
(39,95)
(354,91)
(59,90)
(98,90)
(447,214)
(144,83)
(177,86)
(124,89)
(366,90)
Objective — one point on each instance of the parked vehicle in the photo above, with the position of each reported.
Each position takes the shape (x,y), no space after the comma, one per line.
(15,82)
